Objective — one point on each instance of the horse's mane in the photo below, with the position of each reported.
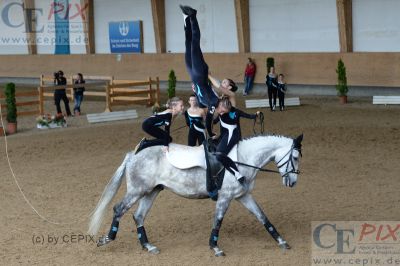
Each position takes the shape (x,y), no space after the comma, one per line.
(266,135)
(249,143)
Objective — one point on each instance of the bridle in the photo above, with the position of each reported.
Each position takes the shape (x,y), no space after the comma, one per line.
(288,162)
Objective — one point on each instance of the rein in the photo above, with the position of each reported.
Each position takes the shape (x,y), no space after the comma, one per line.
(289,160)
(256,167)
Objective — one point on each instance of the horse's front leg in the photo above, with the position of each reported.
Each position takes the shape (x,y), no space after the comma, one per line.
(250,204)
(220,210)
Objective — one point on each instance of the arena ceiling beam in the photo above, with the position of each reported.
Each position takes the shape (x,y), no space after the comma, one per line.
(345,21)
(88,24)
(30,25)
(158,11)
(243,25)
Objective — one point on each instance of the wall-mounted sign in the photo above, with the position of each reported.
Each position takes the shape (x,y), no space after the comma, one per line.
(125,37)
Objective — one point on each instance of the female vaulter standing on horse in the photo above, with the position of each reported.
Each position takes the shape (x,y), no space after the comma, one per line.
(198,69)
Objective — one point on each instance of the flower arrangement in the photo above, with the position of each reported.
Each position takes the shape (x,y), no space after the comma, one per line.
(51,121)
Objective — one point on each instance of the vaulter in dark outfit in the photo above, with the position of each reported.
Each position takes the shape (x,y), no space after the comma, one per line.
(152,126)
(197,67)
(196,134)
(230,136)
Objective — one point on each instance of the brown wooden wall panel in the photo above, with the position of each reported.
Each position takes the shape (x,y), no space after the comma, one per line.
(366,69)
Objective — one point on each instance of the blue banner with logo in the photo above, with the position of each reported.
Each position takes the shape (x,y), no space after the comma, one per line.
(61,19)
(125,37)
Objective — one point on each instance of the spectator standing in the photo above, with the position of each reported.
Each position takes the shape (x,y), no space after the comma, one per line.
(78,93)
(272,84)
(61,94)
(281,91)
(249,75)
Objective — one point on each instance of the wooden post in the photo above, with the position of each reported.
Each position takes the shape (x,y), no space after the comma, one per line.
(71,91)
(41,101)
(30,13)
(42,80)
(157,91)
(243,25)
(150,94)
(88,24)
(108,97)
(158,12)
(345,18)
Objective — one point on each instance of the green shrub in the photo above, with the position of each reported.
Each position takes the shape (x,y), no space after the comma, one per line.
(270,63)
(11,103)
(341,86)
(171,84)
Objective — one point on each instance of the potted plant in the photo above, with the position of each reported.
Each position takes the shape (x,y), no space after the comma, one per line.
(11,108)
(341,86)
(171,84)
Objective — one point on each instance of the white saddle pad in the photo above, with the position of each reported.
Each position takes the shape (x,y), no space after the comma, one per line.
(184,157)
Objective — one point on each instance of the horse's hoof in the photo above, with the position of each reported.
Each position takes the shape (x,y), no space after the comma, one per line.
(218,252)
(103,241)
(152,249)
(284,246)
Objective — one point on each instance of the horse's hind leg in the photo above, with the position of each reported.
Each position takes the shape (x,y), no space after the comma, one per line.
(145,204)
(250,204)
(119,210)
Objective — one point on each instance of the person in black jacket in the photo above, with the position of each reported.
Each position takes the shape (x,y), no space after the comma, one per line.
(271,81)
(281,91)
(60,94)
(164,119)
(78,94)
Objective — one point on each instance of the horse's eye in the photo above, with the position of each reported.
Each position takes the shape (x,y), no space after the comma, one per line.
(295,158)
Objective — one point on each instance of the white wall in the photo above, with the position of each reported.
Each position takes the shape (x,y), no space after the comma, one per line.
(376,26)
(293,26)
(106,11)
(12,40)
(216,20)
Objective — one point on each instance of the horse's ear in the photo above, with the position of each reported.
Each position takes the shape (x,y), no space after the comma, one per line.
(297,141)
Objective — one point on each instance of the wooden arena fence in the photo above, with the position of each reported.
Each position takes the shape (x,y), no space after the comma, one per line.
(27,103)
(115,92)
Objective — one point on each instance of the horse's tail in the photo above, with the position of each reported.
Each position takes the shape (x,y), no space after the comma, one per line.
(108,194)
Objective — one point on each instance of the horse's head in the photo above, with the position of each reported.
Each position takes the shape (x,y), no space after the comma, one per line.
(287,161)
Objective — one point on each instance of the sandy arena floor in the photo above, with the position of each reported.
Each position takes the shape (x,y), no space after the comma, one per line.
(350,171)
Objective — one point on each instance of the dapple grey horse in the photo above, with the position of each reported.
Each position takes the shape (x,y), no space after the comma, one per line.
(149,172)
